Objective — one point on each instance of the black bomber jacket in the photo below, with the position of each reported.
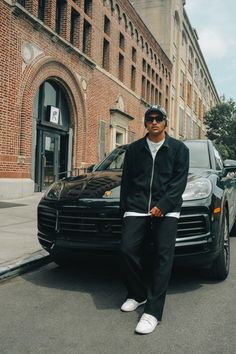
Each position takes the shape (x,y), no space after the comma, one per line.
(146,183)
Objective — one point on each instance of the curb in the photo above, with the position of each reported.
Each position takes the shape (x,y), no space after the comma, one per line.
(23,265)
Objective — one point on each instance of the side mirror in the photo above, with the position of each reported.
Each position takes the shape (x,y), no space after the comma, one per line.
(229,166)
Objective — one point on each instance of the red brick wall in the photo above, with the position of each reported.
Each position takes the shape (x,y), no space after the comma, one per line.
(56,58)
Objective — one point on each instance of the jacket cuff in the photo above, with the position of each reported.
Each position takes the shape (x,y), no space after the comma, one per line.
(164,206)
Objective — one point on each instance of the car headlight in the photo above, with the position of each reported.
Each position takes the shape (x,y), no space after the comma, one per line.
(197,189)
(54,191)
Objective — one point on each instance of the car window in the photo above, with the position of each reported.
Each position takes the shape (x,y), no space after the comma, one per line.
(198,151)
(198,154)
(114,161)
(218,160)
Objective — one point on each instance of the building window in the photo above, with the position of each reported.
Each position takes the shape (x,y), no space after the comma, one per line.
(189,95)
(190,67)
(167,90)
(74,28)
(102,140)
(166,105)
(144,65)
(119,138)
(88,7)
(182,84)
(107,25)
(41,9)
(121,67)
(195,102)
(200,108)
(21,2)
(87,38)
(160,98)
(157,78)
(203,111)
(181,122)
(149,70)
(152,94)
(122,41)
(134,55)
(143,87)
(59,15)
(133,77)
(119,129)
(51,95)
(190,61)
(153,75)
(160,82)
(106,55)
(148,91)
(156,96)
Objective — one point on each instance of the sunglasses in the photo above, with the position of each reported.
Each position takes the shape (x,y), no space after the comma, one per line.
(157,119)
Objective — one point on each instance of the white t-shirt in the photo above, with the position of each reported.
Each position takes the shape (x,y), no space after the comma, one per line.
(154,147)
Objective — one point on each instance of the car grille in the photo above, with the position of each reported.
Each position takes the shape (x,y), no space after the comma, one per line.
(192,225)
(73,222)
(47,218)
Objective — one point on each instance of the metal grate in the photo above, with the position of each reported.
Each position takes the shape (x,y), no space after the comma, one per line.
(47,218)
(192,225)
(73,221)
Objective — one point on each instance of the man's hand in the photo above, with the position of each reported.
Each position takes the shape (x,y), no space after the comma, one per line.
(156,212)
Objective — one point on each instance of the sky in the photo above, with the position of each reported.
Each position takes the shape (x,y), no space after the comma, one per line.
(215,22)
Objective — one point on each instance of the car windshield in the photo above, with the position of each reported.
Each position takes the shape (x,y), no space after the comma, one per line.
(114,161)
(198,154)
(199,157)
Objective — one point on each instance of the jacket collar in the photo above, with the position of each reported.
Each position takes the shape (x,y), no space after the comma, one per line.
(165,144)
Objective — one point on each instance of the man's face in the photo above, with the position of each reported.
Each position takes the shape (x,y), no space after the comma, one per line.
(155,125)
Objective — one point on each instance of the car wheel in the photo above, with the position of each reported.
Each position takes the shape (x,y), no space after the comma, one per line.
(220,267)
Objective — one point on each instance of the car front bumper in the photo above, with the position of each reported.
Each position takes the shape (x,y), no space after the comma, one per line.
(70,230)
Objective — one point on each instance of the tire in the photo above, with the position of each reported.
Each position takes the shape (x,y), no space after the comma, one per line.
(233,230)
(220,267)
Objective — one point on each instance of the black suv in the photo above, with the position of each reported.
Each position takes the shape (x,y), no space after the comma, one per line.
(81,214)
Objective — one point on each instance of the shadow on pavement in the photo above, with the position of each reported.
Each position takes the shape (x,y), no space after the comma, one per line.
(100,277)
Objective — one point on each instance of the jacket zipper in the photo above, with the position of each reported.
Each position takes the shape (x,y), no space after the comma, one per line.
(150,196)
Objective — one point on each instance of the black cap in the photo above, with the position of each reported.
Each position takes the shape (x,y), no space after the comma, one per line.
(156,109)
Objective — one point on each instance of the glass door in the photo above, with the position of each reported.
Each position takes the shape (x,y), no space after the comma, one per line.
(50,164)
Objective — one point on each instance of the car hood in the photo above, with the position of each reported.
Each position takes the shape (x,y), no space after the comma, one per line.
(106,184)
(96,185)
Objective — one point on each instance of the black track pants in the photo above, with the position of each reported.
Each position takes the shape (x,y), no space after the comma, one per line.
(136,230)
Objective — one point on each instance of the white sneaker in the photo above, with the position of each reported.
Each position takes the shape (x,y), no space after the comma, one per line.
(131,305)
(147,324)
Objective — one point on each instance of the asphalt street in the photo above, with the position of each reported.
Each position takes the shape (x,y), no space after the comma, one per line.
(76,310)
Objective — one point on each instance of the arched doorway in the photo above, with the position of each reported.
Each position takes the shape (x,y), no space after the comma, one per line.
(52,120)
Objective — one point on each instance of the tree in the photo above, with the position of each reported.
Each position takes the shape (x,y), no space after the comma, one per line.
(220,122)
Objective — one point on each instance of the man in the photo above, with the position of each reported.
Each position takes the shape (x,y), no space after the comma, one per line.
(153,181)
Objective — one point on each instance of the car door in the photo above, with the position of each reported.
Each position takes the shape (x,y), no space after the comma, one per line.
(229,181)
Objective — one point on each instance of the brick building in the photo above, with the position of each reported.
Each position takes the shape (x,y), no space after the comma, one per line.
(76,78)
(192,91)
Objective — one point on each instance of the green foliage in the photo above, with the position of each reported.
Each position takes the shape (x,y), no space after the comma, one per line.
(220,122)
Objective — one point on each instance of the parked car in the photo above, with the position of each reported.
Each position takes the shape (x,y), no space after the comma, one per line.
(81,214)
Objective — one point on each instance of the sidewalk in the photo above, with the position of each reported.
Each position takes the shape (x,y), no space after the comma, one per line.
(20,248)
